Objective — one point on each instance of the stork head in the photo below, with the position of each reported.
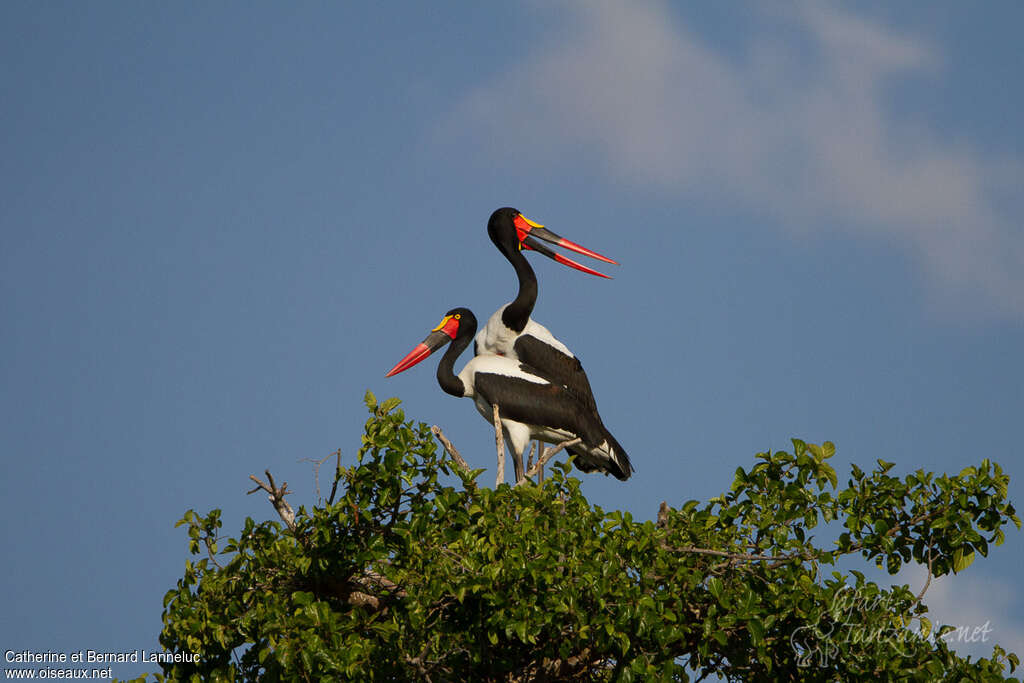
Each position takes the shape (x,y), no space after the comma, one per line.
(510,231)
(456,323)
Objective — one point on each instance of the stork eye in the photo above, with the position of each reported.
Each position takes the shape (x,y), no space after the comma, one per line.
(458,315)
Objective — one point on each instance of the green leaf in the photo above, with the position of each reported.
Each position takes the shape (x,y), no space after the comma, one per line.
(756,628)
(715,587)
(962,559)
(302,598)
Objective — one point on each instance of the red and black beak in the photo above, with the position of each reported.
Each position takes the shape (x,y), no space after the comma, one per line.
(527,230)
(438,337)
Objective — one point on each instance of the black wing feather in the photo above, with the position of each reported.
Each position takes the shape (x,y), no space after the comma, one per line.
(557,367)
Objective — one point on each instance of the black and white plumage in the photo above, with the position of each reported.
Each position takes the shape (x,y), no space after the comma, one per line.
(530,405)
(510,331)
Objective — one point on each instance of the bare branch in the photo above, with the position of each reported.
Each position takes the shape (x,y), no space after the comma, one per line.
(417,662)
(741,557)
(540,469)
(337,476)
(459,460)
(209,551)
(896,528)
(284,510)
(928,581)
(499,439)
(316,471)
(738,558)
(553,451)
(547,455)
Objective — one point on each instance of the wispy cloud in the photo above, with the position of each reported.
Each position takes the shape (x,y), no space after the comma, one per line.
(798,126)
(984,610)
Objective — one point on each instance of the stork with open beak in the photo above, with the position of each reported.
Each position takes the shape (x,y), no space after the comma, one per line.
(510,331)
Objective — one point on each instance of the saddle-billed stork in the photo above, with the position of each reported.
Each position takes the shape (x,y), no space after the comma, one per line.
(530,405)
(510,331)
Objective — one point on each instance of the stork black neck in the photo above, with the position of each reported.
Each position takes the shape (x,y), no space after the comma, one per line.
(517,313)
(446,376)
(501,228)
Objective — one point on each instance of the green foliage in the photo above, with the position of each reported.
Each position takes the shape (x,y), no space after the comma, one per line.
(406,578)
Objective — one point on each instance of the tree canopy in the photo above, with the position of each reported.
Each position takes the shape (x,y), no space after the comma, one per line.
(411,570)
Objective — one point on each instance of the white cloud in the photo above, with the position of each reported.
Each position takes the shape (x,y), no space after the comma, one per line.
(984,610)
(798,126)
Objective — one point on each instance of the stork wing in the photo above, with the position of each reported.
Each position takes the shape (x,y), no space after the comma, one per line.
(556,367)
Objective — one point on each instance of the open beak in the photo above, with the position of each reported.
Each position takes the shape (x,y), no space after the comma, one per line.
(529,232)
(438,337)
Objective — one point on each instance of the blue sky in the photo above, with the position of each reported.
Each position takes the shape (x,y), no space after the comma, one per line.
(221,224)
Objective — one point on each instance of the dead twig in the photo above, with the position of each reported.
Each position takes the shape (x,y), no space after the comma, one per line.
(547,455)
(337,477)
(500,442)
(418,663)
(735,557)
(928,581)
(540,470)
(317,464)
(459,460)
(896,528)
(277,494)
(732,558)
(209,551)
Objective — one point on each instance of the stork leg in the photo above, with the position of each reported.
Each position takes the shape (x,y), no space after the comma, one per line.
(514,447)
(500,442)
(517,464)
